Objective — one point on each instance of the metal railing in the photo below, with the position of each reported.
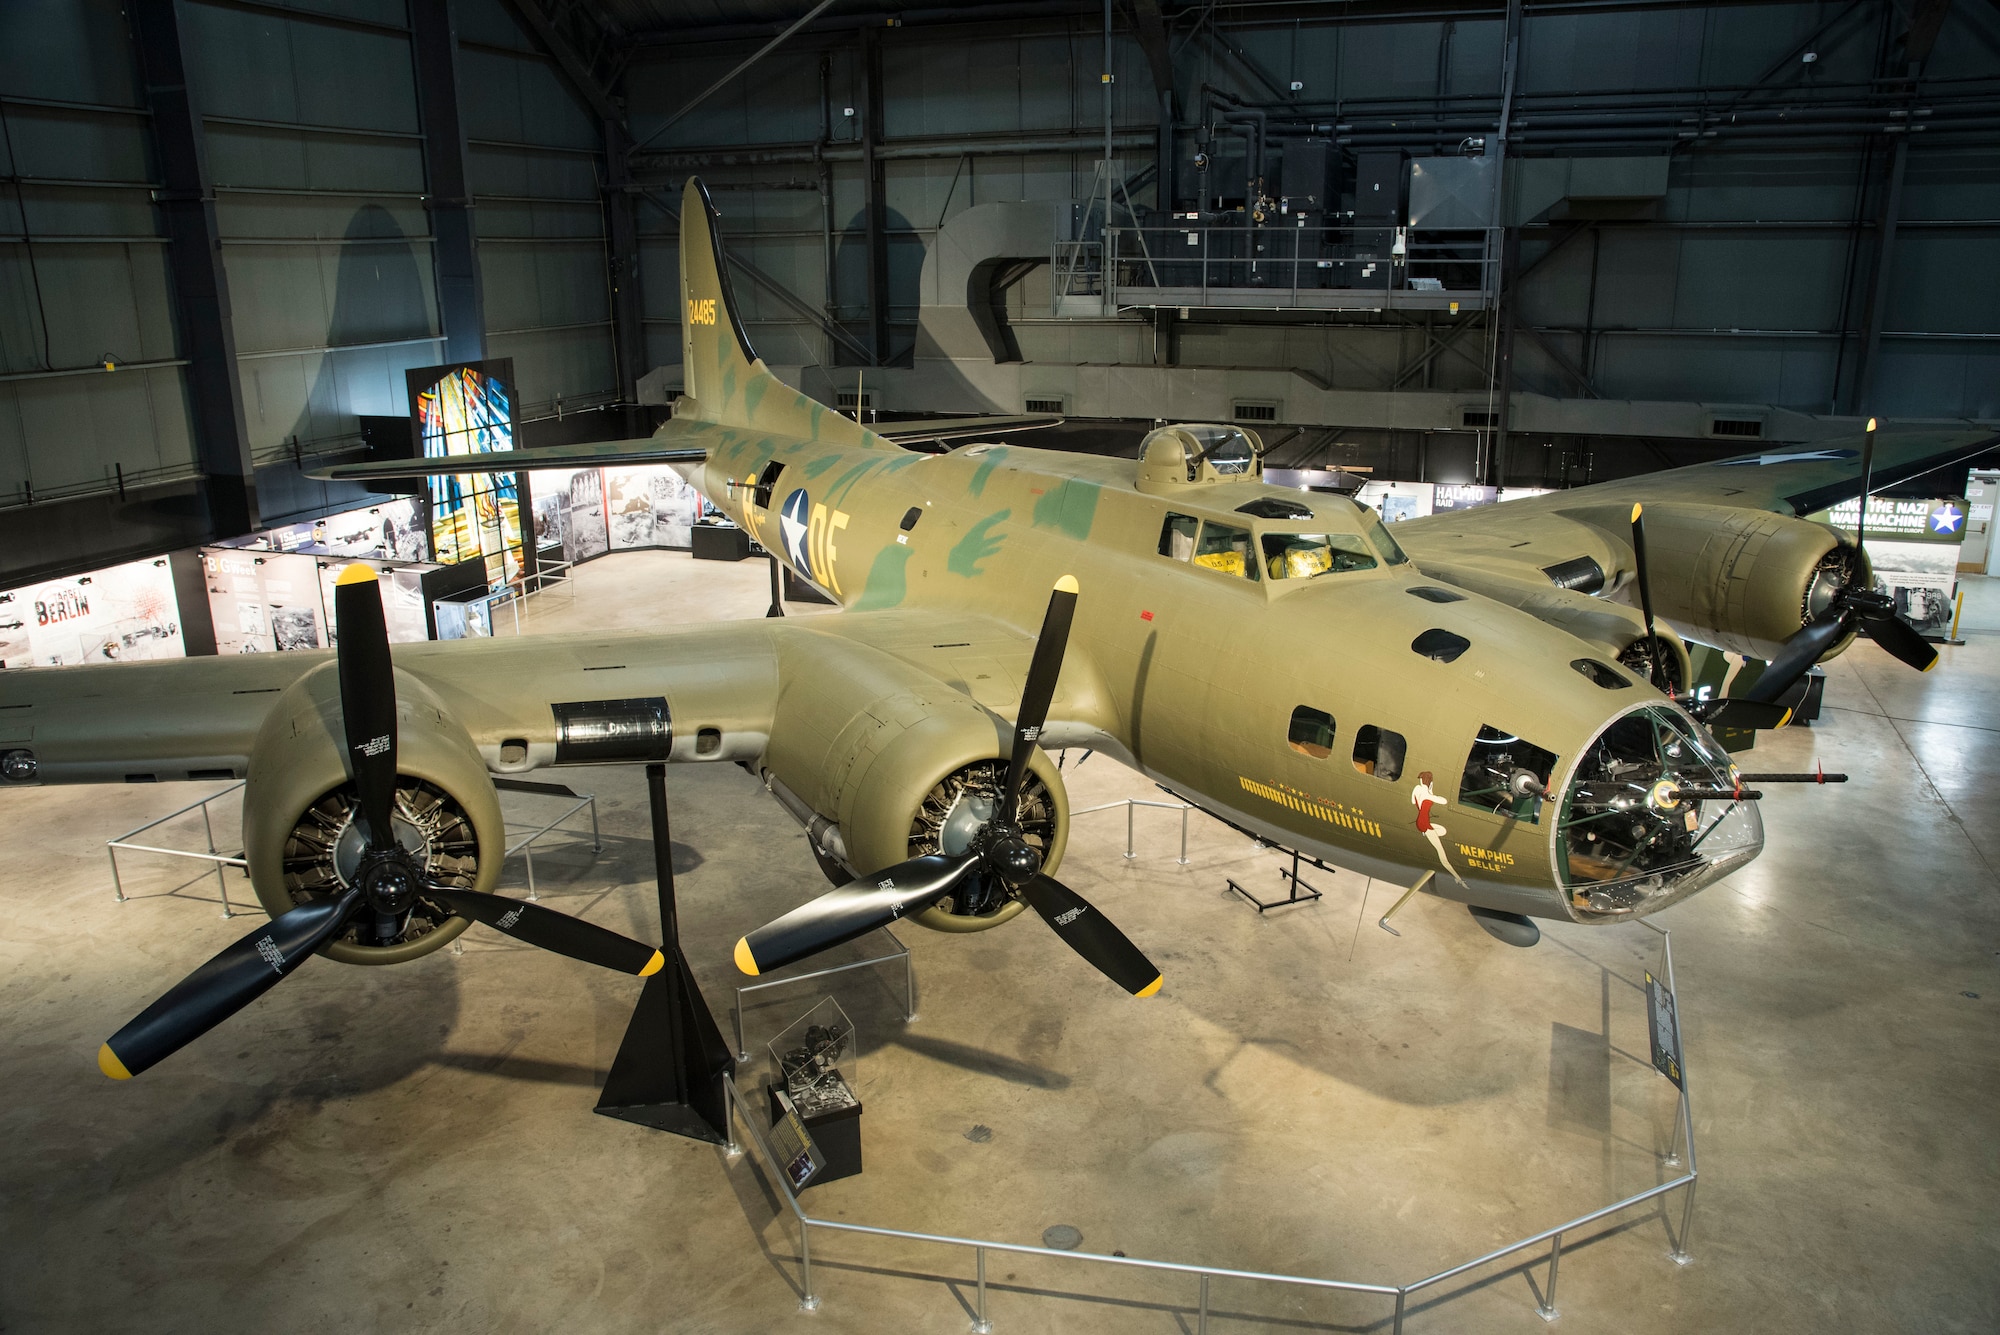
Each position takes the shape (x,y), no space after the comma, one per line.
(124,841)
(524,845)
(1399,1293)
(1131,802)
(1280,265)
(901,952)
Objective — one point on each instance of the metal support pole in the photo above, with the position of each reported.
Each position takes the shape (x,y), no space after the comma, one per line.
(980,1324)
(1128,829)
(117,885)
(810,1301)
(1547,1310)
(221,882)
(529,854)
(461,297)
(909,989)
(1402,1300)
(1184,856)
(1201,1317)
(596,838)
(873,205)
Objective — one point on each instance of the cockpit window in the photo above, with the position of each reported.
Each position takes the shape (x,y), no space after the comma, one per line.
(1225,548)
(1303,555)
(1377,534)
(1650,816)
(1506,775)
(1311,732)
(1177,536)
(1226,449)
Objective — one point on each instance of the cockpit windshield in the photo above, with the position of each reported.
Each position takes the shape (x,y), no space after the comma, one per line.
(1303,555)
(1649,816)
(1378,534)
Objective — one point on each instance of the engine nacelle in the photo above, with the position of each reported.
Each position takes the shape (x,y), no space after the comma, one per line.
(897,764)
(1744,580)
(299,836)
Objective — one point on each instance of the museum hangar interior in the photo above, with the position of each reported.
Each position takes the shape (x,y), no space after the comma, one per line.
(822,315)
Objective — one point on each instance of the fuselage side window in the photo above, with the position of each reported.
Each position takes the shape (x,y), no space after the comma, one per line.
(1226,548)
(1177,536)
(1379,752)
(910,518)
(1311,732)
(760,496)
(1304,555)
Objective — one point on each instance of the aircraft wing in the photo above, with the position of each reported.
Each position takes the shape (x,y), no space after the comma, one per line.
(655,449)
(961,428)
(1524,538)
(199,718)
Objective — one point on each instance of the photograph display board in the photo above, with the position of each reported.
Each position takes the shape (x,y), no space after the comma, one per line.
(402,599)
(121,614)
(468,408)
(263,601)
(591,511)
(1397,501)
(1914,546)
(391,531)
(1455,496)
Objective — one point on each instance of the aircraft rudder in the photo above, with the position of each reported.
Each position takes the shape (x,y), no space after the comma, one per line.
(717,361)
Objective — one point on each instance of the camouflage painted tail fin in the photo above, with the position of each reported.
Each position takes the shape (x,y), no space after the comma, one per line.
(724,380)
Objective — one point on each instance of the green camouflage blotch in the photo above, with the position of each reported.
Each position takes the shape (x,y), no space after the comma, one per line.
(753,393)
(887,582)
(985,470)
(814,467)
(1070,509)
(818,411)
(729,385)
(846,480)
(899,463)
(976,546)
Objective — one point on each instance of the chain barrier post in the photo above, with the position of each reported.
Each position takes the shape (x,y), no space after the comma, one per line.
(1547,1310)
(980,1324)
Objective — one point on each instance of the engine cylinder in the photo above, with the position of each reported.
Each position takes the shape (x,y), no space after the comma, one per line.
(298,811)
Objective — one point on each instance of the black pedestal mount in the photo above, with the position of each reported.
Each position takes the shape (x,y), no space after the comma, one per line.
(669,1070)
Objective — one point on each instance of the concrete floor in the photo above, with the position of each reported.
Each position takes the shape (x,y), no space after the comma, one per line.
(413,1148)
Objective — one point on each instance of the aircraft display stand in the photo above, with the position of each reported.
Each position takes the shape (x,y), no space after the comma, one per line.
(670,1069)
(1290,875)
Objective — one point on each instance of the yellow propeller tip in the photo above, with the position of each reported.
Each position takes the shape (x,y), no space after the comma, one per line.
(107,1062)
(1637,508)
(744,959)
(357,573)
(1150,988)
(1786,719)
(1871,424)
(1067,584)
(1934,662)
(654,965)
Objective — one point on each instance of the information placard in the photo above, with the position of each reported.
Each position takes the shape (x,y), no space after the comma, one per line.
(1665,1025)
(797,1154)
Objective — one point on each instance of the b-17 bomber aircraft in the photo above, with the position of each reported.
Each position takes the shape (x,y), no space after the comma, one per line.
(1489,703)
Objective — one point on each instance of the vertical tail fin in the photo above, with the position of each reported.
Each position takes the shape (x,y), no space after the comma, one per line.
(722,377)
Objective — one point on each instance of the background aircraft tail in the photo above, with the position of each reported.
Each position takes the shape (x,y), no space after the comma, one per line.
(724,380)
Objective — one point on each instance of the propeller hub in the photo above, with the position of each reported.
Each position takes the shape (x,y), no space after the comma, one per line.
(1009,857)
(390,882)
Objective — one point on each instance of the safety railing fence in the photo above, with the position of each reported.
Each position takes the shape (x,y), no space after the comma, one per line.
(548,575)
(523,845)
(1399,1295)
(124,841)
(1131,804)
(899,952)
(1285,265)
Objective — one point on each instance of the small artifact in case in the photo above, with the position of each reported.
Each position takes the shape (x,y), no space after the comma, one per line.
(804,1067)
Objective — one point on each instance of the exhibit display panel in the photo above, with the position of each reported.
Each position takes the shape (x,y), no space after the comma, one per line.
(268,601)
(1914,546)
(1397,501)
(468,408)
(393,530)
(120,614)
(591,511)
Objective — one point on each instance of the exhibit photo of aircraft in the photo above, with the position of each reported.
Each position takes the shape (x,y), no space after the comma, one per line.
(1489,705)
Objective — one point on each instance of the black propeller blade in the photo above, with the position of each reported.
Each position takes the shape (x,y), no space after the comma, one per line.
(225,985)
(367,698)
(1040,688)
(1725,711)
(387,880)
(997,853)
(1646,595)
(1854,608)
(852,910)
(1092,935)
(557,933)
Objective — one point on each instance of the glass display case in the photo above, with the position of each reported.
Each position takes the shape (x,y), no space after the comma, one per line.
(816,1062)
